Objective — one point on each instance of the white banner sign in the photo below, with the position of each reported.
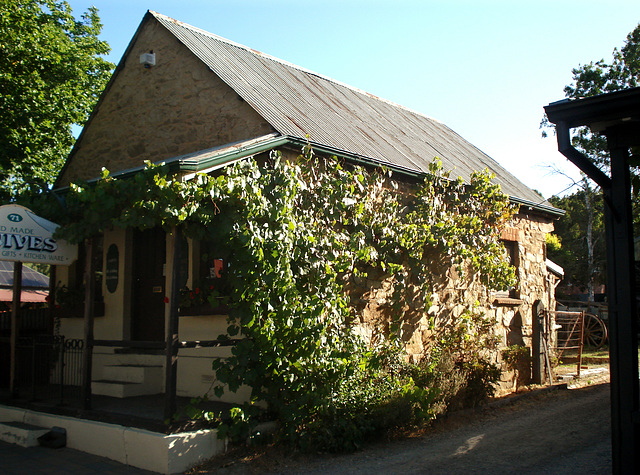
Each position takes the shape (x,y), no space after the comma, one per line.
(26,237)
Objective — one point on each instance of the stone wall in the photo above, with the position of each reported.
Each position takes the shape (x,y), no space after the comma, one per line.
(452,296)
(176,107)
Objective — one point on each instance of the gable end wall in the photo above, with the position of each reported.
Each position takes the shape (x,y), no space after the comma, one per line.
(176,107)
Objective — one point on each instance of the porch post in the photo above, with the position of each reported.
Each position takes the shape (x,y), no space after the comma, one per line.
(171,344)
(87,354)
(623,340)
(15,322)
(52,299)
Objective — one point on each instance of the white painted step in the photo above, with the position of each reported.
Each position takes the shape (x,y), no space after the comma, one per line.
(122,389)
(133,373)
(136,359)
(127,380)
(21,433)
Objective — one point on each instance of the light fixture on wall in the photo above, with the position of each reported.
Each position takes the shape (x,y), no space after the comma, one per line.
(148,59)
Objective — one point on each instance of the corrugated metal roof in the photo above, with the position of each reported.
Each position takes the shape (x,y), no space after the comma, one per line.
(298,102)
(31,279)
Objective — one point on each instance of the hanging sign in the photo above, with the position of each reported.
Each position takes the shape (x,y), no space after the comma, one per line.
(26,237)
(111,274)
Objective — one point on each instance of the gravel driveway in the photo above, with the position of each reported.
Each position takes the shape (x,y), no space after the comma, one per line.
(547,431)
(566,431)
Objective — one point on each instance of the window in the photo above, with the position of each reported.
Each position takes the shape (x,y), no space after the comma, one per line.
(513,255)
(70,297)
(213,268)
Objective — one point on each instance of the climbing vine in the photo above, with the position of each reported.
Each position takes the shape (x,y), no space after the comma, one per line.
(296,233)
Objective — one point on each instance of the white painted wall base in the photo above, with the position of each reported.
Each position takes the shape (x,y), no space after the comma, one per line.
(140,448)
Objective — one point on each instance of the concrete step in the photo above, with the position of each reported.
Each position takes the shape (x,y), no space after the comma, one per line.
(21,433)
(136,359)
(128,380)
(128,374)
(133,373)
(122,389)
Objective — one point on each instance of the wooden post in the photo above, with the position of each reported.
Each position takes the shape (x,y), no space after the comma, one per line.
(537,344)
(52,299)
(15,328)
(623,329)
(87,354)
(171,345)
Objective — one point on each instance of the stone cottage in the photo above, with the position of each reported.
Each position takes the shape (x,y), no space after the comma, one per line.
(198,102)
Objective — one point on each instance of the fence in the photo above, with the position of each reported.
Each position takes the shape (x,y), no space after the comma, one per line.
(48,367)
(569,328)
(31,320)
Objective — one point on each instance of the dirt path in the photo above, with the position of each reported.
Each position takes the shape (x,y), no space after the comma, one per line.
(560,431)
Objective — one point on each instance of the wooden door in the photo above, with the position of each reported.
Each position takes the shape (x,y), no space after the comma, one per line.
(147,306)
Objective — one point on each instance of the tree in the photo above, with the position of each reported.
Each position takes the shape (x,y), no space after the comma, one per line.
(597,78)
(51,73)
(581,231)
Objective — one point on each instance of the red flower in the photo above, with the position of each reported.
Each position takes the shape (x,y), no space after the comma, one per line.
(166,300)
(197,290)
(191,295)
(211,287)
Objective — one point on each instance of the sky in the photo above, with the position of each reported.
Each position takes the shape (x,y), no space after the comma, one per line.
(485,68)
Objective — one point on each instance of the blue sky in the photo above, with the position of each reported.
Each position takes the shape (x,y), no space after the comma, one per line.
(484,68)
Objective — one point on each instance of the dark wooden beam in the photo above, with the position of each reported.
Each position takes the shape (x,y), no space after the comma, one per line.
(52,299)
(537,348)
(578,159)
(89,294)
(617,116)
(623,341)
(171,360)
(15,325)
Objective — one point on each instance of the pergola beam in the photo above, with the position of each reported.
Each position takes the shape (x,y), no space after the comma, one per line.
(616,116)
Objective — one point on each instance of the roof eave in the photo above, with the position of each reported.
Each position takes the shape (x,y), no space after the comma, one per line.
(540,207)
(192,165)
(178,165)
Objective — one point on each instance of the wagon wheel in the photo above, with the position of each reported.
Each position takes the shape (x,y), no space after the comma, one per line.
(595,331)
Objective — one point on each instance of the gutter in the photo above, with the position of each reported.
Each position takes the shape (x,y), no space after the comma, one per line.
(190,163)
(354,157)
(567,114)
(578,158)
(537,206)
(193,165)
(409,172)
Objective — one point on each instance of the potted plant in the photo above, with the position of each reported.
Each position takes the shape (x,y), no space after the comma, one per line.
(69,302)
(204,298)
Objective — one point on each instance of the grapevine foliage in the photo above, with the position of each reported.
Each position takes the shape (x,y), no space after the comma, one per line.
(296,232)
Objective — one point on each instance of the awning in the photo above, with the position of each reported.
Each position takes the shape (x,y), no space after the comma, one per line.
(555,268)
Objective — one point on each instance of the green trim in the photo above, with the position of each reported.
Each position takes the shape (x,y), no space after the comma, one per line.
(195,165)
(354,157)
(410,173)
(538,206)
